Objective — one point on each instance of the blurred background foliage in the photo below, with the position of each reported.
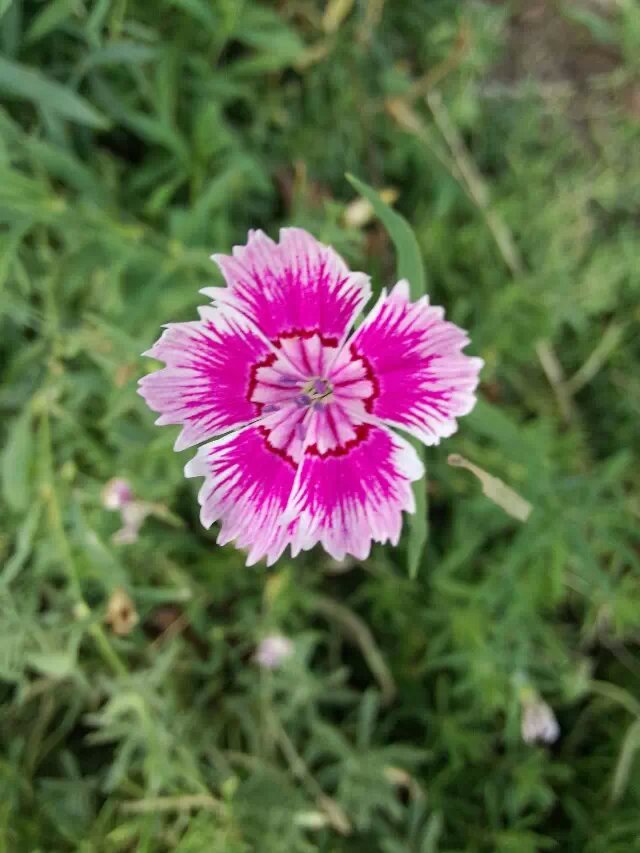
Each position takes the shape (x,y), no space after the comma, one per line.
(135,139)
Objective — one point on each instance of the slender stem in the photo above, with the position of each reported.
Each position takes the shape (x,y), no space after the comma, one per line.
(475,184)
(186,802)
(109,654)
(555,374)
(616,694)
(608,342)
(96,630)
(298,767)
(360,633)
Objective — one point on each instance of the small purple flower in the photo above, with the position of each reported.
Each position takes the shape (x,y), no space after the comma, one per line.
(273,651)
(133,515)
(276,349)
(118,496)
(116,493)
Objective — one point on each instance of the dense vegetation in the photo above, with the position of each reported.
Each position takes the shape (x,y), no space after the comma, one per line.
(135,139)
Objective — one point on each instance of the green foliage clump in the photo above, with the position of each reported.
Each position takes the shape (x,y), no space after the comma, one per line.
(135,139)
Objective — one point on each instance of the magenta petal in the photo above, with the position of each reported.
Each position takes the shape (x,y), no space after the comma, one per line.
(247,486)
(424,380)
(296,284)
(349,497)
(205,383)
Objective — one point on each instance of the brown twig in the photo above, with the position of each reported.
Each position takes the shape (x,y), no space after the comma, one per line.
(436,75)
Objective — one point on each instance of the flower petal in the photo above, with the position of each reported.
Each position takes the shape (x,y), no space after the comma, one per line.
(351,495)
(424,380)
(296,284)
(206,381)
(247,488)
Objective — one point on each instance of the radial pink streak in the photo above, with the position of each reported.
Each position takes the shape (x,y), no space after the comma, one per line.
(353,494)
(204,385)
(424,380)
(247,488)
(296,284)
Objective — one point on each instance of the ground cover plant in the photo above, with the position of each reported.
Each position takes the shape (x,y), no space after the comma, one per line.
(480,694)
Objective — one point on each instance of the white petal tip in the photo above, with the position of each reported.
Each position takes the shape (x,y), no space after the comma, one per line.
(402,289)
(213,293)
(196,467)
(182,442)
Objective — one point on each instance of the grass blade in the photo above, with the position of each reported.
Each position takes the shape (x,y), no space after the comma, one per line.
(409,259)
(16,462)
(20,81)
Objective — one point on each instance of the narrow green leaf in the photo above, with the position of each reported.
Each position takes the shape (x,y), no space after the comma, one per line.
(600,28)
(434,828)
(20,81)
(624,764)
(24,544)
(9,245)
(50,18)
(410,267)
(418,522)
(145,125)
(66,167)
(409,259)
(54,664)
(200,12)
(16,462)
(116,53)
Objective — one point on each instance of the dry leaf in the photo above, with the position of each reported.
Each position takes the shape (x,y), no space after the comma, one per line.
(497,491)
(122,616)
(360,212)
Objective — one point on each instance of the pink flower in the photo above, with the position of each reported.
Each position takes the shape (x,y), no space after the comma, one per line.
(116,494)
(299,410)
(273,651)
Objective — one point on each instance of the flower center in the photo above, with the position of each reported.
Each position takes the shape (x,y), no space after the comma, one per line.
(312,396)
(315,393)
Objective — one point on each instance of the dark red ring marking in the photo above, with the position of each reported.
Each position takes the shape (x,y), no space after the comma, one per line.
(253,379)
(265,433)
(370,375)
(305,334)
(362,430)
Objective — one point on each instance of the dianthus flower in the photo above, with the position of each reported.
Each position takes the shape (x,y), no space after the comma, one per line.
(298,408)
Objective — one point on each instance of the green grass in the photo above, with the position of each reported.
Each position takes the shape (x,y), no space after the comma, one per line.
(135,139)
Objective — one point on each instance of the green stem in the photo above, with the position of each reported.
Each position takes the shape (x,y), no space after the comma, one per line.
(57,528)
